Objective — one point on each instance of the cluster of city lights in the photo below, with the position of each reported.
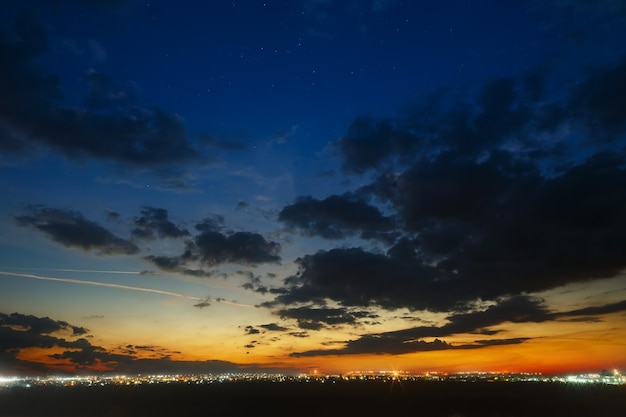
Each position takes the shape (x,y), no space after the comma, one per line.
(612,378)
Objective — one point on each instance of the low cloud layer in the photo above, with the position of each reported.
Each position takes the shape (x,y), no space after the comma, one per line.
(19,332)
(519,309)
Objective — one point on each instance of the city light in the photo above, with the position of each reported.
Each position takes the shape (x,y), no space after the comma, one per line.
(614,377)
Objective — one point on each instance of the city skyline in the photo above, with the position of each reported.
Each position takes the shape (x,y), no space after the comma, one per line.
(312,185)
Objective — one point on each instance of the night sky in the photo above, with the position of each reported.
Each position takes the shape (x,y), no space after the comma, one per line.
(210,186)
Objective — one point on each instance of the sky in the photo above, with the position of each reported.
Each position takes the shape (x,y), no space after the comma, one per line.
(312,185)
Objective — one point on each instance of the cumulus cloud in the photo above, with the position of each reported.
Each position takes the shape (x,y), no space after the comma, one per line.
(154,222)
(337,217)
(493,196)
(71,229)
(240,247)
(211,248)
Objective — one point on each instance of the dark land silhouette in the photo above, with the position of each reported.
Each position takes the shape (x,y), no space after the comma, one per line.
(353,398)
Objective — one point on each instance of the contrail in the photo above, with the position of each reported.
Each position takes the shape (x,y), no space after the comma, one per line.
(85,270)
(122,287)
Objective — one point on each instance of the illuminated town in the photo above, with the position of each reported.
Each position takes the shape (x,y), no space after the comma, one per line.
(614,377)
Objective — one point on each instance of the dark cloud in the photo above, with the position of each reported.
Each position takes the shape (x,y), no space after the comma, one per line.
(273,327)
(211,247)
(213,223)
(178,264)
(113,216)
(495,342)
(240,247)
(355,277)
(595,310)
(203,304)
(31,109)
(316,318)
(507,113)
(336,217)
(509,234)
(39,325)
(154,222)
(495,198)
(166,263)
(299,334)
(252,330)
(442,122)
(84,354)
(598,103)
(370,142)
(19,331)
(70,229)
(376,344)
(518,309)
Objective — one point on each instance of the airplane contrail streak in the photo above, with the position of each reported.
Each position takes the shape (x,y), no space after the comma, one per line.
(86,270)
(123,287)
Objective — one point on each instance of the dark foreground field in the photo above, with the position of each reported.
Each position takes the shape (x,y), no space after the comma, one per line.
(315,399)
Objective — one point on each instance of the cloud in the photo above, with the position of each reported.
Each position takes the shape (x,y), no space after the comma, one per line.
(70,229)
(19,332)
(495,197)
(299,334)
(375,344)
(597,102)
(39,325)
(355,277)
(369,142)
(85,354)
(617,307)
(209,247)
(154,222)
(110,129)
(213,247)
(313,318)
(252,330)
(203,304)
(517,309)
(273,327)
(336,217)
(506,114)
